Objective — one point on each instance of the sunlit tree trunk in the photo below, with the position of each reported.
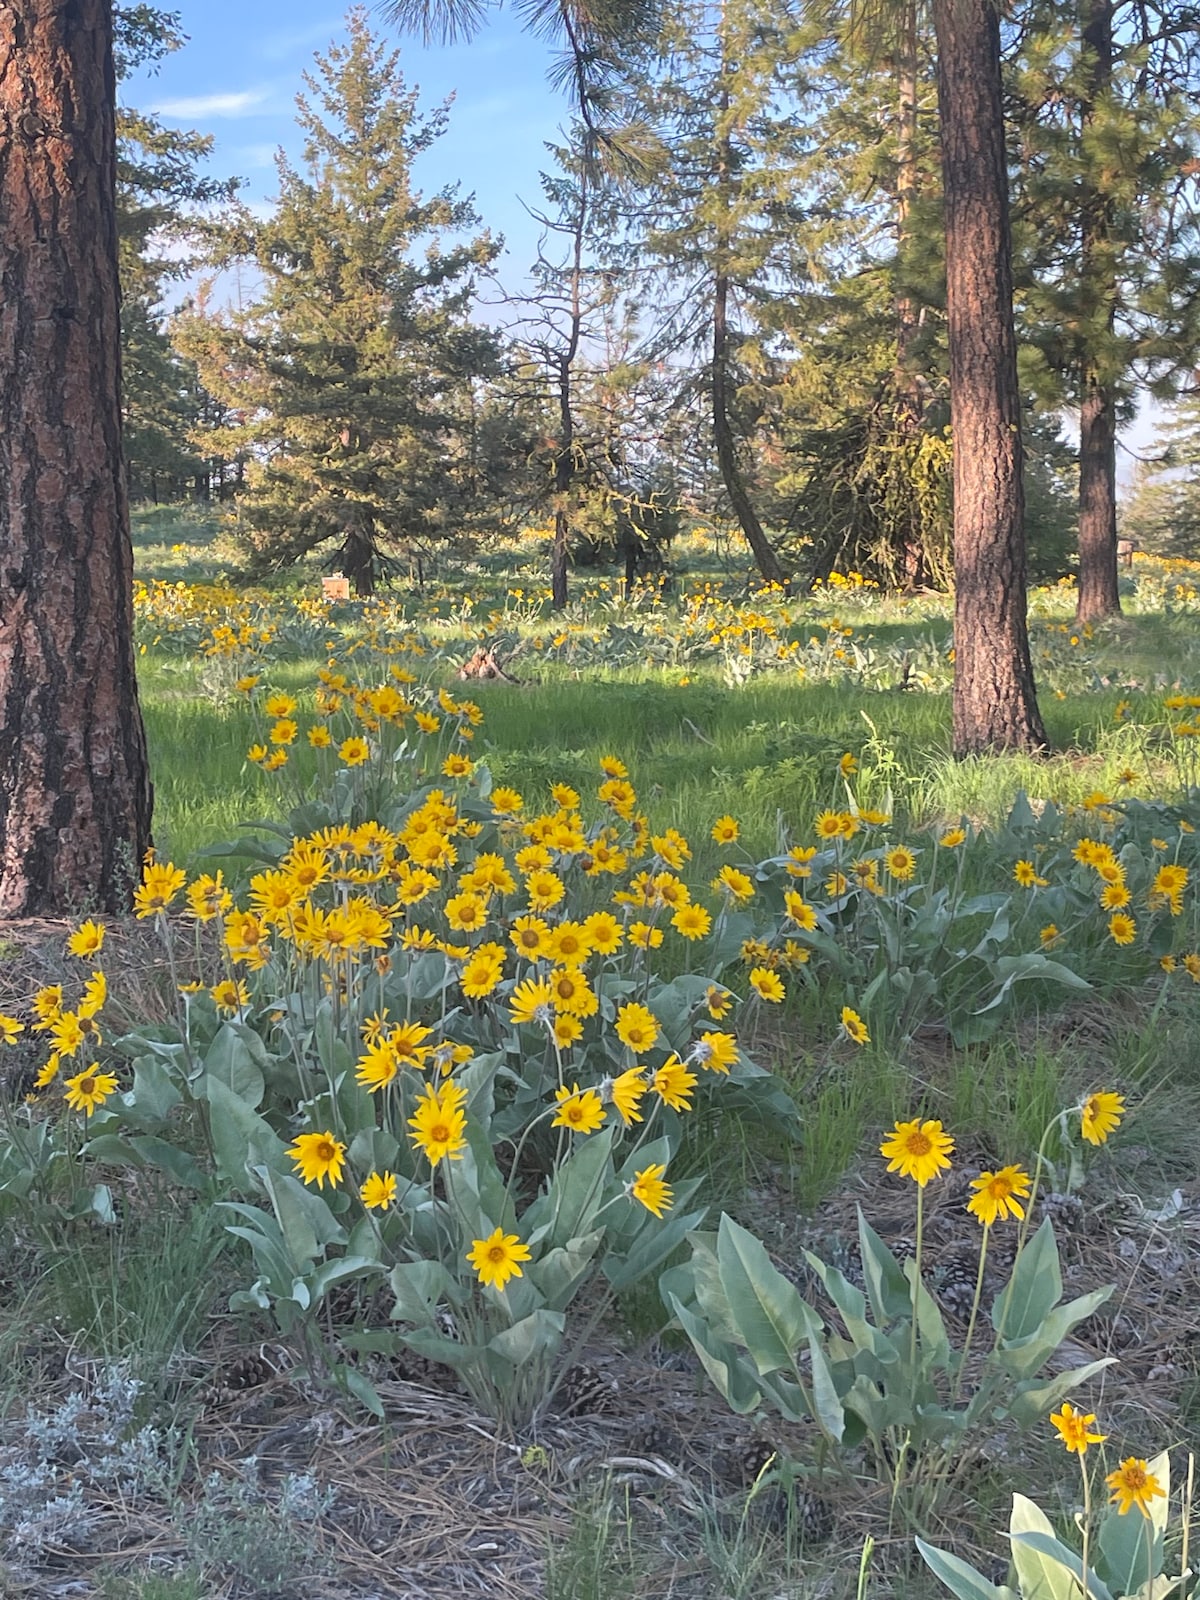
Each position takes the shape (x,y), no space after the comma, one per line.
(1098,592)
(994,701)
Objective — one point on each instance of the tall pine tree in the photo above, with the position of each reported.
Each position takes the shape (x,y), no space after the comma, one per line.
(352,371)
(1106,138)
(161,189)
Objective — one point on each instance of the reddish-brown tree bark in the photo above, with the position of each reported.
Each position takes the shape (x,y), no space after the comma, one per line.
(74,783)
(995,706)
(1098,592)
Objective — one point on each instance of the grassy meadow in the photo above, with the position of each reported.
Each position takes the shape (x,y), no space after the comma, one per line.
(965,959)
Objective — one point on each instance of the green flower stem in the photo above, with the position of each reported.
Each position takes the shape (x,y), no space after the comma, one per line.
(958,1376)
(916,1284)
(1087,1523)
(864,1567)
(1039,1163)
(1187,1513)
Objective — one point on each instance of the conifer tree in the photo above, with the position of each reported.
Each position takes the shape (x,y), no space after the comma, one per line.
(161,190)
(1107,140)
(715,244)
(352,371)
(1162,511)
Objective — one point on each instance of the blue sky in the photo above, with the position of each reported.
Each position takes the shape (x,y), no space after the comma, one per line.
(238,75)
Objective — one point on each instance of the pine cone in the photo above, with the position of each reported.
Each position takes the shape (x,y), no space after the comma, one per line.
(1064,1210)
(954,1286)
(584,1391)
(815,1515)
(245,1372)
(746,1461)
(407,1366)
(656,1439)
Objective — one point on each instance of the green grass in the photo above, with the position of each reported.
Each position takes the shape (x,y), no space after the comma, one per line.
(141,1291)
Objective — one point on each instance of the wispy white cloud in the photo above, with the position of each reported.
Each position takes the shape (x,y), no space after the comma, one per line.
(280,45)
(254,155)
(243,103)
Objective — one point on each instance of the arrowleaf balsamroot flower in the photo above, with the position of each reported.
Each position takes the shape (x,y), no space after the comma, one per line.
(1133,1484)
(999,1195)
(229,996)
(497,1259)
(378,1192)
(692,921)
(637,1027)
(917,1150)
(161,882)
(89,1088)
(767,984)
(649,1188)
(626,1094)
(900,862)
(1101,1114)
(673,1084)
(854,1027)
(531,1001)
(88,939)
(318,1156)
(735,883)
(439,1124)
(1074,1429)
(1122,929)
(580,1110)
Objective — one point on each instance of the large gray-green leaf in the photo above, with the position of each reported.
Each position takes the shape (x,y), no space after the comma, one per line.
(575,1193)
(933,1344)
(559,1273)
(884,1277)
(419,1287)
(1035,1286)
(233,1059)
(308,1226)
(539,1334)
(1041,1576)
(1047,1545)
(1033,1402)
(1129,1552)
(240,1137)
(771,1316)
(852,1304)
(828,1411)
(147,1151)
(1024,1357)
(725,1366)
(154,1093)
(653,1244)
(959,1577)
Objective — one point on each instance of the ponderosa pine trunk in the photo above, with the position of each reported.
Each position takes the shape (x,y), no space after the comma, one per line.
(1098,592)
(995,706)
(75,795)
